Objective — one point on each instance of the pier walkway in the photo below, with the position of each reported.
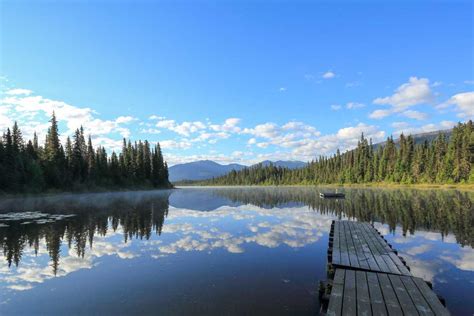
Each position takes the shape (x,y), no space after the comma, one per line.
(369,278)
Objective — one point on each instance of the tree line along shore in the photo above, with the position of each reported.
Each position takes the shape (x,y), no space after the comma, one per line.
(443,161)
(28,167)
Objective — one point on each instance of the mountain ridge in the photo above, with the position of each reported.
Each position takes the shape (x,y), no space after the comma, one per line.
(207,169)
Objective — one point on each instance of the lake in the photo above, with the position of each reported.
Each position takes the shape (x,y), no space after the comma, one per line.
(216,251)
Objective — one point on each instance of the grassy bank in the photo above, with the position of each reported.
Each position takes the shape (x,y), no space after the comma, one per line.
(457,186)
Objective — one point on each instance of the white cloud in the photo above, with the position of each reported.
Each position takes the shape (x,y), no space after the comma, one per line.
(415,91)
(150,131)
(417,250)
(184,129)
(345,139)
(282,89)
(229,125)
(335,107)
(354,105)
(379,114)
(415,115)
(211,138)
(33,112)
(289,135)
(305,142)
(463,102)
(5,121)
(172,144)
(462,259)
(20,287)
(267,130)
(328,75)
(156,117)
(124,119)
(19,92)
(354,132)
(407,129)
(109,143)
(168,124)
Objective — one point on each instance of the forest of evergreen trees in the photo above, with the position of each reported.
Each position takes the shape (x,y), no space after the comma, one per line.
(28,167)
(444,160)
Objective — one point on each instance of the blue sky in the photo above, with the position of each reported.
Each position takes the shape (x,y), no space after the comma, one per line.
(237,81)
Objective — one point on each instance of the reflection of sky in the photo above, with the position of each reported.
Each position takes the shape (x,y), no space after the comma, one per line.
(440,260)
(229,228)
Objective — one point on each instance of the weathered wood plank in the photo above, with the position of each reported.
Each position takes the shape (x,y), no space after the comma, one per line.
(370,249)
(336,251)
(350,246)
(357,292)
(356,238)
(376,297)
(406,303)
(403,269)
(349,297)
(370,279)
(391,301)
(431,297)
(376,249)
(362,289)
(392,263)
(344,251)
(420,303)
(367,251)
(335,302)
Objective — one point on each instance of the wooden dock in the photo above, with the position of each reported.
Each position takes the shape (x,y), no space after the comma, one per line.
(358,245)
(369,278)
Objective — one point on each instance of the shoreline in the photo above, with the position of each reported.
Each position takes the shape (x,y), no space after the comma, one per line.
(97,191)
(426,186)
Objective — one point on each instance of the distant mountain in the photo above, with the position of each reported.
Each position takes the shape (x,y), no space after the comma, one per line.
(285,164)
(421,137)
(200,170)
(206,169)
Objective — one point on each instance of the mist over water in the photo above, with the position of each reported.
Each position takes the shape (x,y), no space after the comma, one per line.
(216,250)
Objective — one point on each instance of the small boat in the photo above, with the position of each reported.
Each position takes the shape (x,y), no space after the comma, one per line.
(326,195)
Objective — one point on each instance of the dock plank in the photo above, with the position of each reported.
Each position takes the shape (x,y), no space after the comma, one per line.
(363,299)
(359,249)
(349,297)
(391,301)
(357,292)
(406,303)
(417,297)
(430,297)
(370,279)
(335,303)
(350,246)
(376,297)
(360,246)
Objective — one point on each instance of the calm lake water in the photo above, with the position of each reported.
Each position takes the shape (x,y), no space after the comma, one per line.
(216,251)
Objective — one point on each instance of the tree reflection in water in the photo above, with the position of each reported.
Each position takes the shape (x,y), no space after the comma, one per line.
(140,214)
(442,211)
